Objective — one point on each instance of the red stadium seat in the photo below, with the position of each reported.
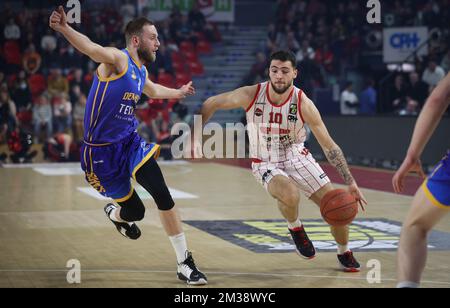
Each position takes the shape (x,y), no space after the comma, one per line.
(166,80)
(25,117)
(187,46)
(204,47)
(142,114)
(156,103)
(196,68)
(182,79)
(172,102)
(37,84)
(178,63)
(179,68)
(11,52)
(88,78)
(177,57)
(201,36)
(191,56)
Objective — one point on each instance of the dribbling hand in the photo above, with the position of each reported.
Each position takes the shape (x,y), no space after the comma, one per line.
(354,190)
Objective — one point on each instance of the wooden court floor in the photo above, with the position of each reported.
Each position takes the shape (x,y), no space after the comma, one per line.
(48,216)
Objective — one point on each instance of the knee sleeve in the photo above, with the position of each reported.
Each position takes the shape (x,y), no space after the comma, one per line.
(133,209)
(151,178)
(162,198)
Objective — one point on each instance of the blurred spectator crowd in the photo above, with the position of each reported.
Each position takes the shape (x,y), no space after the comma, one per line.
(332,38)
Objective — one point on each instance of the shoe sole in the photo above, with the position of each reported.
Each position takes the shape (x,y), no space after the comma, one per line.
(303,257)
(349,269)
(124,235)
(200,282)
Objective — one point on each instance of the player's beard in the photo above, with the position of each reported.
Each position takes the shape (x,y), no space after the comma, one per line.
(282,90)
(146,55)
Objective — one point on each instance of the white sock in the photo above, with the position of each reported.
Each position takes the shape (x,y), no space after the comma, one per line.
(113,216)
(407,284)
(342,249)
(295,224)
(180,246)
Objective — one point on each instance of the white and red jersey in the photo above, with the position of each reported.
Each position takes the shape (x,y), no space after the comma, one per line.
(276,132)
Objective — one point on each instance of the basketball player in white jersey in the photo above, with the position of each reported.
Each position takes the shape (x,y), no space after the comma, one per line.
(276,114)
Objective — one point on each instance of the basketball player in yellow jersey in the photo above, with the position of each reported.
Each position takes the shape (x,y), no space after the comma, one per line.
(432,200)
(276,114)
(113,152)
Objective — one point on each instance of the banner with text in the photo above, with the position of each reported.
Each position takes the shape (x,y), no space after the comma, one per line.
(214,10)
(399,43)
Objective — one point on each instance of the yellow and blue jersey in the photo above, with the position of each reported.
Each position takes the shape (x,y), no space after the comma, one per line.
(113,151)
(111,103)
(437,185)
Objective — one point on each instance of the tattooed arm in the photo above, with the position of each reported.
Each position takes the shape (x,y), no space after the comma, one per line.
(332,151)
(336,157)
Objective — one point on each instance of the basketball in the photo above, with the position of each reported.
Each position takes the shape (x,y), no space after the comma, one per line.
(338,207)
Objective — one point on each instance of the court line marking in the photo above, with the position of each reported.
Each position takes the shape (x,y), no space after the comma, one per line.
(119,271)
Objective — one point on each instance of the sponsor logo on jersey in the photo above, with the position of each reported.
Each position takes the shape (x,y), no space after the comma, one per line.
(293,109)
(129,96)
(275,131)
(322,176)
(292,117)
(126,110)
(258,112)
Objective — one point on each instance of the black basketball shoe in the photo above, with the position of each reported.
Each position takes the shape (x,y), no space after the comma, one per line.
(129,230)
(348,262)
(188,272)
(303,244)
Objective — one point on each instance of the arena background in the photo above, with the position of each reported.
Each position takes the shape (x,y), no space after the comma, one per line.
(369,78)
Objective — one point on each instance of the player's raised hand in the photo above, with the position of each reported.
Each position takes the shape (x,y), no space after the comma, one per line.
(58,19)
(186,90)
(410,164)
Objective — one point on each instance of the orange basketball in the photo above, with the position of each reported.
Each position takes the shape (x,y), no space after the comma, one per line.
(338,207)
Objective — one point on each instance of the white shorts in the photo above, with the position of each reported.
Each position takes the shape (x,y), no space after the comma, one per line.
(303,170)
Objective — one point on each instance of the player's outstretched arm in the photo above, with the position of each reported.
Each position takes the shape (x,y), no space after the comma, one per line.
(239,98)
(99,54)
(426,124)
(430,116)
(157,91)
(332,151)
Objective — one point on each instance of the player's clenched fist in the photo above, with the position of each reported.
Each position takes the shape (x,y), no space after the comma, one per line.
(58,19)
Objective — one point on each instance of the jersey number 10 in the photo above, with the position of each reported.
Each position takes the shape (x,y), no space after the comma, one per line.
(276,118)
